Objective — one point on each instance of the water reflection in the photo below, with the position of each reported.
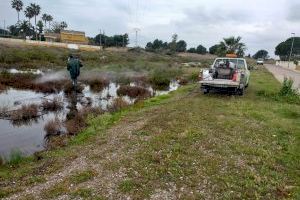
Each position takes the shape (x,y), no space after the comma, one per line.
(73,100)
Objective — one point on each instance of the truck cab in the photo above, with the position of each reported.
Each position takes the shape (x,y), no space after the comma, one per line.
(227,73)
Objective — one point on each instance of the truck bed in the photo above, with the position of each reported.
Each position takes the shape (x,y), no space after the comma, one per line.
(224,83)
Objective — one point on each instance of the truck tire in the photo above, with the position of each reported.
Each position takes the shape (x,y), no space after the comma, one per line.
(205,91)
(240,91)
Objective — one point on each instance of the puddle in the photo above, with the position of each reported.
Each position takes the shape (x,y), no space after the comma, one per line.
(30,71)
(29,137)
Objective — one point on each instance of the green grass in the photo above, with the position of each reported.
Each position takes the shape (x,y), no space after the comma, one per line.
(82,176)
(84,193)
(218,144)
(63,187)
(127,186)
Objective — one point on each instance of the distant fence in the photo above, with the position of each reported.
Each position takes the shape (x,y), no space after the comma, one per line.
(50,44)
(286,64)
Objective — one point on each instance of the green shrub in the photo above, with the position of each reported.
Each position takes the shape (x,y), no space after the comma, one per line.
(15,157)
(1,161)
(286,93)
(287,88)
(296,62)
(160,78)
(193,77)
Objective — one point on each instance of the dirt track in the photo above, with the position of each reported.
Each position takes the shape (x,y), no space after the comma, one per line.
(280,73)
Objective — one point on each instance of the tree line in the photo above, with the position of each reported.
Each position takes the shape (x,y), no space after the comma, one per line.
(121,40)
(283,49)
(24,27)
(228,45)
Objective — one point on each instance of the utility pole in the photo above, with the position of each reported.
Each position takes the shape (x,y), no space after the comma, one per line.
(100,43)
(4,27)
(123,41)
(104,45)
(292,46)
(136,36)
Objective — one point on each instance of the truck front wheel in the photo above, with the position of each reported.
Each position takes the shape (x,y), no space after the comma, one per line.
(240,91)
(205,91)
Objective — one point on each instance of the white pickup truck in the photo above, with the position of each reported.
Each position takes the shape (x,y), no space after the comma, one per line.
(229,74)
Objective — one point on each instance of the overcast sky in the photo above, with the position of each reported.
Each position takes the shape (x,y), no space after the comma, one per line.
(261,23)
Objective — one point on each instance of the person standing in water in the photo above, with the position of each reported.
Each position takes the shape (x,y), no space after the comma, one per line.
(73,67)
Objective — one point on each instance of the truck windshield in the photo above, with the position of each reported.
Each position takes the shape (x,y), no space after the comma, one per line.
(239,63)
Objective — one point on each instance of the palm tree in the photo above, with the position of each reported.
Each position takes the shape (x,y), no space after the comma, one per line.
(232,45)
(29,13)
(44,18)
(49,19)
(18,5)
(63,25)
(36,9)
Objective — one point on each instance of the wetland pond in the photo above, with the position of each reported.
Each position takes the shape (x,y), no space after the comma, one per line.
(29,136)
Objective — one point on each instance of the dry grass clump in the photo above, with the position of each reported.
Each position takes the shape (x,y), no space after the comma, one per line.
(182,81)
(117,104)
(26,112)
(97,85)
(69,88)
(57,141)
(52,105)
(77,121)
(133,91)
(140,80)
(53,127)
(76,124)
(2,87)
(48,87)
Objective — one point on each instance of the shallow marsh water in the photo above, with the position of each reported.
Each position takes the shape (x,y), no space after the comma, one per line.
(29,137)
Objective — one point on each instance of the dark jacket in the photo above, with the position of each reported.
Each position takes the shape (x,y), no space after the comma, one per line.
(73,67)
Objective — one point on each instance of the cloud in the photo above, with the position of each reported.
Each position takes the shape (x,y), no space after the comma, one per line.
(261,24)
(294,13)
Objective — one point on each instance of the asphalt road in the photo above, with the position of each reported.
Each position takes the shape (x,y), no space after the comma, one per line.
(280,73)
